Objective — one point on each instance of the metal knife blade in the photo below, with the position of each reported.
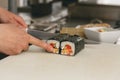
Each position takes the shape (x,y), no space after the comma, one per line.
(41,34)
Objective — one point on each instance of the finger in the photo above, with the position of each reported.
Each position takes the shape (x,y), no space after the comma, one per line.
(20,21)
(26,48)
(13,22)
(3,19)
(16,23)
(40,43)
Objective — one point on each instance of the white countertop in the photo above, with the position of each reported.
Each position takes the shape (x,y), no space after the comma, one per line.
(95,62)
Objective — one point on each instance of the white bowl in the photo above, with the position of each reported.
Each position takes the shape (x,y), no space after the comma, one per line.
(109,36)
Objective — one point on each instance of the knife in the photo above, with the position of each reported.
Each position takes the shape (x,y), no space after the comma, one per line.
(41,34)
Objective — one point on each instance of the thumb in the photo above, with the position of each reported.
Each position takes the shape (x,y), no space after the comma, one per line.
(40,43)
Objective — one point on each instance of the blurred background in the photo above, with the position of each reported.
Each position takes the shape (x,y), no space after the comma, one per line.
(41,14)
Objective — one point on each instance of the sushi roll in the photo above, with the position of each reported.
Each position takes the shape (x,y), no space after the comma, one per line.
(55,42)
(72,45)
(66,44)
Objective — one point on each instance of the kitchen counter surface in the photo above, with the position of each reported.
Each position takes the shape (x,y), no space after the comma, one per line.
(95,62)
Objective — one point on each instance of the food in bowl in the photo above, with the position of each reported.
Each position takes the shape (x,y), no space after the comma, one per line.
(102,34)
(101,30)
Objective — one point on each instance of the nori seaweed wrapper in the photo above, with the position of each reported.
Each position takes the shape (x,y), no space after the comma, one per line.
(60,37)
(77,41)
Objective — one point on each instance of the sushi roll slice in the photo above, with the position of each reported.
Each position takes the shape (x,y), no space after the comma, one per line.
(67,48)
(72,45)
(55,42)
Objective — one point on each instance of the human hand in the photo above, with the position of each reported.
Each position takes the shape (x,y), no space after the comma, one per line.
(14,40)
(9,17)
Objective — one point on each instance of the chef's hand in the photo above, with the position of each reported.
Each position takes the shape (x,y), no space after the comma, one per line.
(14,40)
(8,17)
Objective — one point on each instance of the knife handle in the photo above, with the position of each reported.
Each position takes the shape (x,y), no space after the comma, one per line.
(2,55)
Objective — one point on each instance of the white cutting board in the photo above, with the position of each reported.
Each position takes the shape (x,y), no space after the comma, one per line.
(95,62)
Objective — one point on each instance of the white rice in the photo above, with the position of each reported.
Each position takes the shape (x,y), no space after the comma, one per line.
(55,42)
(72,47)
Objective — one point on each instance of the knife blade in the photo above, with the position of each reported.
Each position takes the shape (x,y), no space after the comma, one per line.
(41,34)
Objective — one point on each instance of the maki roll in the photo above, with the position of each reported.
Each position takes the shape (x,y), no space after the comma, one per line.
(72,45)
(66,44)
(55,42)
(67,48)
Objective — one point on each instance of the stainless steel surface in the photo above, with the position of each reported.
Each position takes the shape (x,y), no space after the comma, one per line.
(91,41)
(23,3)
(12,6)
(4,4)
(94,11)
(32,2)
